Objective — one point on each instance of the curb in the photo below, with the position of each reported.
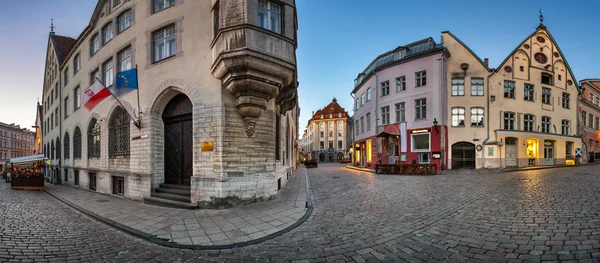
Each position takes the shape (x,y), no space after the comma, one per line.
(546,167)
(139,234)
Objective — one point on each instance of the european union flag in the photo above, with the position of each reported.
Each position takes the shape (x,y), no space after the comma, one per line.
(126,81)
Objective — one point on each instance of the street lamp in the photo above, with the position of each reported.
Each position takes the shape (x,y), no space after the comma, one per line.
(435,123)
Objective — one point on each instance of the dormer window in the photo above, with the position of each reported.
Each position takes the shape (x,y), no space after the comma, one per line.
(330,115)
(322,116)
(339,115)
(546,79)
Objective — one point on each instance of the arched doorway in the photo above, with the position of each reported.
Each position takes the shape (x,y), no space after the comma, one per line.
(463,155)
(177,118)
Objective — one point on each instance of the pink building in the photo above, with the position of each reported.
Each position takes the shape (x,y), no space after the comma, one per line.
(397,109)
(589,119)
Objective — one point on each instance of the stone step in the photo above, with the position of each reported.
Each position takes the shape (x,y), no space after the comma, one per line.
(174,191)
(169,203)
(175,186)
(177,198)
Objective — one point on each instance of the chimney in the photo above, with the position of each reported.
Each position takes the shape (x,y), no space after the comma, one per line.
(486,61)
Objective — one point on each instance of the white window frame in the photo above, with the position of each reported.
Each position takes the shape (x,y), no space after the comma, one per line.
(546,124)
(458,114)
(369,94)
(157,7)
(566,127)
(475,114)
(107,33)
(95,43)
(400,112)
(421,109)
(421,78)
(76,98)
(163,40)
(125,59)
(458,87)
(529,122)
(124,21)
(400,83)
(108,73)
(413,144)
(385,115)
(477,87)
(385,88)
(271,14)
(546,97)
(510,116)
(76,63)
(529,92)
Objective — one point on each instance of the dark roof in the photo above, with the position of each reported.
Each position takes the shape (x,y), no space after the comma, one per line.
(63,46)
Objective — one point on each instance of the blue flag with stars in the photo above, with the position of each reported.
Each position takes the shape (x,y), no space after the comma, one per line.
(126,81)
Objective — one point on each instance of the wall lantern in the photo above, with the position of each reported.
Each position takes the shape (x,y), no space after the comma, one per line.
(435,123)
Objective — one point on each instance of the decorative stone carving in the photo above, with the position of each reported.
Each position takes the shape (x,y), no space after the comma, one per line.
(249,124)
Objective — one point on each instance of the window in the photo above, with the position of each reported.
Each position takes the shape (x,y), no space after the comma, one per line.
(583,117)
(357,103)
(56,117)
(164,43)
(118,131)
(420,142)
(66,112)
(362,99)
(356,129)
(597,123)
(566,100)
(66,77)
(269,16)
(509,121)
(385,115)
(458,116)
(368,121)
(76,63)
(125,59)
(67,146)
(420,109)
(546,96)
(509,89)
(546,79)
(95,44)
(545,124)
(591,119)
(216,19)
(330,116)
(528,122)
(107,33)
(94,138)
(77,143)
(56,93)
(421,78)
(322,117)
(330,123)
(362,124)
(94,75)
(330,134)
(76,98)
(339,133)
(476,86)
(569,149)
(424,158)
(116,2)
(160,5)
(340,123)
(340,145)
(322,134)
(529,95)
(322,145)
(118,185)
(125,19)
(458,87)
(477,117)
(566,127)
(400,83)
(107,69)
(368,94)
(591,98)
(400,112)
(385,88)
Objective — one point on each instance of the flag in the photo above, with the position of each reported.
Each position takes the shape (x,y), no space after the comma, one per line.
(94,95)
(126,82)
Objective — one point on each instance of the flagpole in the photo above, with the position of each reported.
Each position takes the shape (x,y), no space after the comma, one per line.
(139,110)
(134,122)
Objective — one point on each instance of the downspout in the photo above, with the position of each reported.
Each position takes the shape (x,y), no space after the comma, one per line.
(376,116)
(488,119)
(443,117)
(353,129)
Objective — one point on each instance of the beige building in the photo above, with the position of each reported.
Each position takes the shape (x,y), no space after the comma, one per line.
(522,113)
(328,134)
(217,108)
(15,142)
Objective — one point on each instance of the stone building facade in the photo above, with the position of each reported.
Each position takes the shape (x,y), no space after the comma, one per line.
(15,142)
(589,119)
(328,134)
(217,113)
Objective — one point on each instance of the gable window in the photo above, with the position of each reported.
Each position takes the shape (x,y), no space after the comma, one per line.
(159,5)
(400,83)
(107,33)
(528,122)
(77,143)
(458,87)
(566,127)
(368,121)
(125,20)
(385,115)
(95,44)
(545,124)
(529,95)
(458,116)
(76,63)
(476,117)
(421,109)
(385,88)
(368,94)
(509,89)
(546,98)
(421,78)
(509,120)
(66,77)
(269,16)
(546,79)
(164,43)
(125,59)
(566,100)
(67,146)
(107,69)
(476,86)
(94,138)
(400,112)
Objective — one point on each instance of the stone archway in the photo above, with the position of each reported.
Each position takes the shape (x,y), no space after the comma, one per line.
(178,140)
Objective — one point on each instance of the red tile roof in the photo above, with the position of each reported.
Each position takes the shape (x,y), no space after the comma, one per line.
(63,46)
(332,108)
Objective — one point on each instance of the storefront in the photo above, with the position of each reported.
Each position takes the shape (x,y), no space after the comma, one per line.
(27,173)
(526,149)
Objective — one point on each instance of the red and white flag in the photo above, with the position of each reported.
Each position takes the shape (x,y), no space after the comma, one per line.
(94,95)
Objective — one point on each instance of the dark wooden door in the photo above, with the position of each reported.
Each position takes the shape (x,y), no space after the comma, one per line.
(177,118)
(463,155)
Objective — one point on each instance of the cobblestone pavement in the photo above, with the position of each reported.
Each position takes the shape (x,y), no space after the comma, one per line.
(362,217)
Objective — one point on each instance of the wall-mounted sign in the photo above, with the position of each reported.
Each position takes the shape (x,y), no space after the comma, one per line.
(140,137)
(420,131)
(436,156)
(207,146)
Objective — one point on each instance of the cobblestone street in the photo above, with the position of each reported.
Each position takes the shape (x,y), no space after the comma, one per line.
(527,216)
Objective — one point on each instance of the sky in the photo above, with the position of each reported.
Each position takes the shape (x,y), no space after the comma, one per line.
(337,39)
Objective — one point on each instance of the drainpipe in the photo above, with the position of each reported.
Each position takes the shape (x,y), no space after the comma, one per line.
(376,115)
(488,119)
(443,117)
(353,129)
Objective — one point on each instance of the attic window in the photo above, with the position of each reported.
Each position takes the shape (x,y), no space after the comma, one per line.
(322,117)
(330,115)
(339,115)
(559,77)
(546,79)
(521,68)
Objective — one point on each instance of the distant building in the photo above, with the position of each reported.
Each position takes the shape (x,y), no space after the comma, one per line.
(328,134)
(15,142)
(589,119)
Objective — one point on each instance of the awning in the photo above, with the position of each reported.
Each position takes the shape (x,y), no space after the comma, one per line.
(27,159)
(386,134)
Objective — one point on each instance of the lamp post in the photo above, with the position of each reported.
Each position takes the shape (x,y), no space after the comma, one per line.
(435,123)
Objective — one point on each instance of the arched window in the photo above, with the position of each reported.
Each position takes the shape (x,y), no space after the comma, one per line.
(118,132)
(77,143)
(94,138)
(67,146)
(58,149)
(52,150)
